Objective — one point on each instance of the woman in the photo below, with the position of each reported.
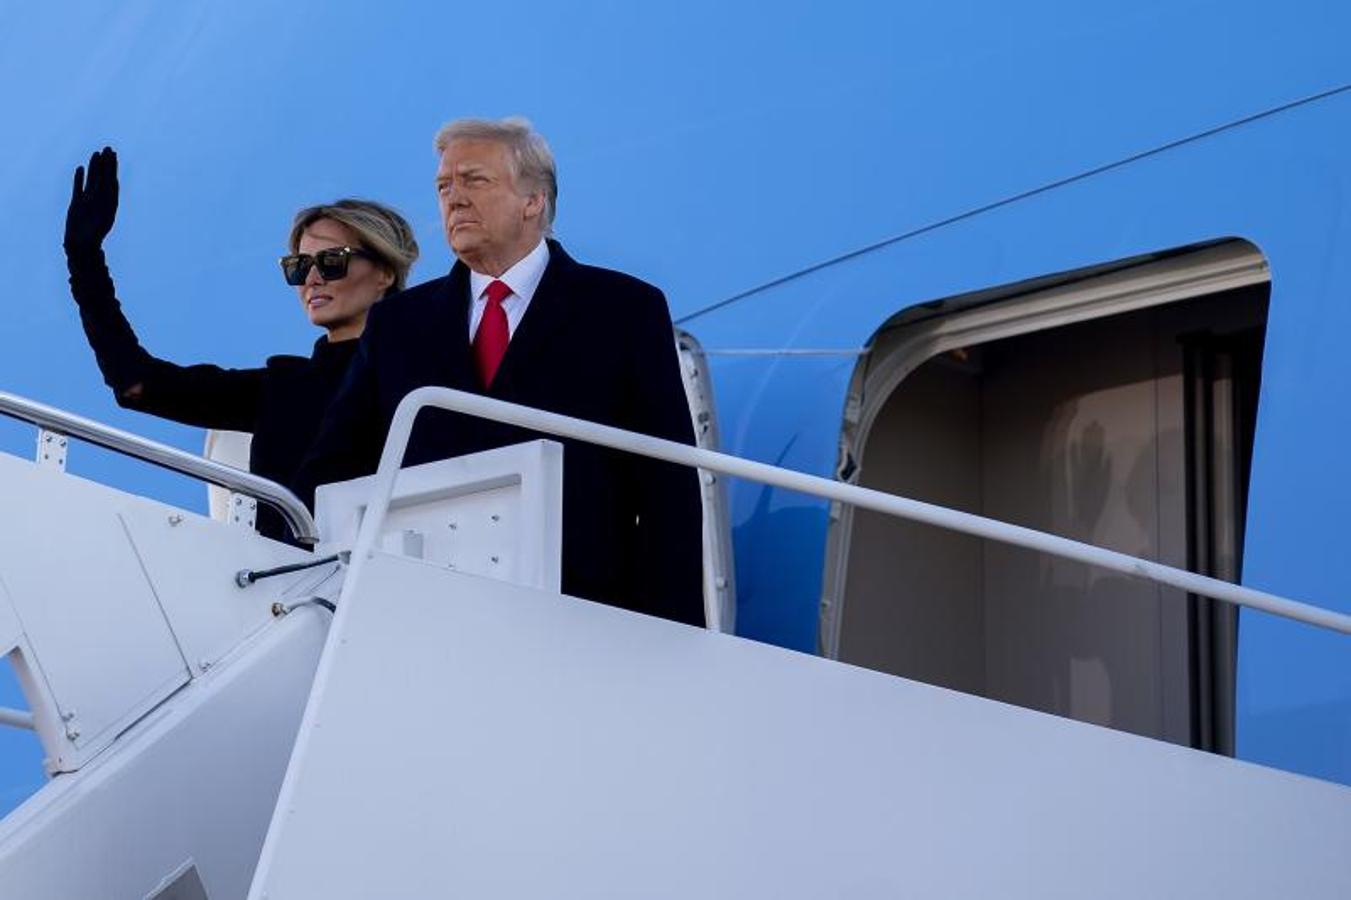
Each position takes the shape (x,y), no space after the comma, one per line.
(344,257)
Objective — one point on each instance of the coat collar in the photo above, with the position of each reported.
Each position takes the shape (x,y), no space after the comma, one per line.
(544,320)
(451,319)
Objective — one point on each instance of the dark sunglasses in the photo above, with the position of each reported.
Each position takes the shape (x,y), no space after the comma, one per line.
(332,264)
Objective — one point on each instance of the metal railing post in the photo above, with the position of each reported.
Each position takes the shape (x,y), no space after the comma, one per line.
(56,421)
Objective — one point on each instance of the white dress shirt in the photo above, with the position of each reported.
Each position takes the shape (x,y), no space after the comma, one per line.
(522,278)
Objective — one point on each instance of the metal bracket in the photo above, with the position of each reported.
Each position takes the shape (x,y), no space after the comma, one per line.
(52,449)
(183,883)
(243,510)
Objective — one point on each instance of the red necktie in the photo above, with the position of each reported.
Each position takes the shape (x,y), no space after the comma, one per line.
(490,341)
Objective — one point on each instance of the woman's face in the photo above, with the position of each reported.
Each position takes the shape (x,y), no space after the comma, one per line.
(340,306)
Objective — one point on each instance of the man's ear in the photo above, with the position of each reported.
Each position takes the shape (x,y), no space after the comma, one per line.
(534,205)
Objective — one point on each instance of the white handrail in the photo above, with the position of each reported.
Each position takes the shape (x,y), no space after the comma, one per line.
(865,498)
(16,718)
(297,517)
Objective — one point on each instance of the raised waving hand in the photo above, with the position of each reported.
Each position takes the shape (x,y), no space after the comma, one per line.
(93,202)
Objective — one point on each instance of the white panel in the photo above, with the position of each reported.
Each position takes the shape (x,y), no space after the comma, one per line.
(195,780)
(11,632)
(474,738)
(476,533)
(495,513)
(99,638)
(191,564)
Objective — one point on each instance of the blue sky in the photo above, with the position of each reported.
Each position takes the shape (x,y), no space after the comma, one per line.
(707,147)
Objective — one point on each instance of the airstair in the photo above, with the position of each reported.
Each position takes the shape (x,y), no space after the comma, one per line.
(415,709)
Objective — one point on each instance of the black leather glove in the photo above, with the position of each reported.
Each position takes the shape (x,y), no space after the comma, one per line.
(93,203)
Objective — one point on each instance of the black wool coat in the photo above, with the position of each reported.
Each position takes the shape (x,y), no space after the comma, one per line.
(594,344)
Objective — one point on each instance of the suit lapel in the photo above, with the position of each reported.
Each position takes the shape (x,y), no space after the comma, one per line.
(449,330)
(545,319)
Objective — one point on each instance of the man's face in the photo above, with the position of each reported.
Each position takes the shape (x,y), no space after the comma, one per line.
(488,222)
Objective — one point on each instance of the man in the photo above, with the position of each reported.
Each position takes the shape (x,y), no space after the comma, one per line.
(519,320)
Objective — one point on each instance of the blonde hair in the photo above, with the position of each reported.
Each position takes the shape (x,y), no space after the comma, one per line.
(382,232)
(532,162)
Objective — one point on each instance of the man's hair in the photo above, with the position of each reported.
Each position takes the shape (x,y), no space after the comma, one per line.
(532,163)
(382,232)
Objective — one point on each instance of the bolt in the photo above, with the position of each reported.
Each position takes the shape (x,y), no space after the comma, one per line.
(279,609)
(72,733)
(494,559)
(710,478)
(67,715)
(496,517)
(175,519)
(203,664)
(62,442)
(721,583)
(453,526)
